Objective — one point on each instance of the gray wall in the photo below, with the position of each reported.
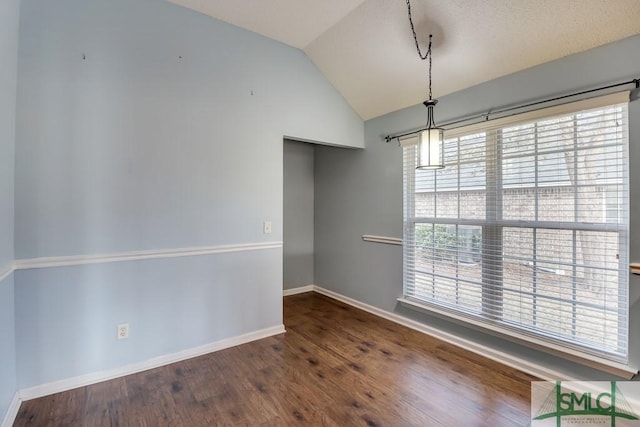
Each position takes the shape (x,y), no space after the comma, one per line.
(360,192)
(137,148)
(298,222)
(142,125)
(9,18)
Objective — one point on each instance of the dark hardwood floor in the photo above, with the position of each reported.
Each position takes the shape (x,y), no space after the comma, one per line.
(335,366)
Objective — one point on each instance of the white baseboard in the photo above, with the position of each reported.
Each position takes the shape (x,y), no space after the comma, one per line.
(490,353)
(96,377)
(295,291)
(12,412)
(84,380)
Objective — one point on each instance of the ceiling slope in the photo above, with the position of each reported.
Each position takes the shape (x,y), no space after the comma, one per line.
(365,47)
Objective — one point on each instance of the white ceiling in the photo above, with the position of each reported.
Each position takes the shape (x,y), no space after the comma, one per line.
(366,50)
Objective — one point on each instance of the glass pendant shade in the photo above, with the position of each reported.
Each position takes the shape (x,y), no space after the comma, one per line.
(431,142)
(430,149)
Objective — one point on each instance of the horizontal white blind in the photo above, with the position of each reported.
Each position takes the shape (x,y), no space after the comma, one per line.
(526,229)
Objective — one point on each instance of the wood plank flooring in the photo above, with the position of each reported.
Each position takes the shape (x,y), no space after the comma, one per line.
(335,366)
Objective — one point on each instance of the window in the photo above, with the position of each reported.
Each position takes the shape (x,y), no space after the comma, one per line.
(525,230)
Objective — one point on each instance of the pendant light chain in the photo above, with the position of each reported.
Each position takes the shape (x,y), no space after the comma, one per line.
(430,57)
(415,39)
(430,147)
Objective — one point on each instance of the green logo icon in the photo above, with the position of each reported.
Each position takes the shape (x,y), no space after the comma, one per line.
(610,403)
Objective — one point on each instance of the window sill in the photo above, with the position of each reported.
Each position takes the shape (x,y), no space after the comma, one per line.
(602,364)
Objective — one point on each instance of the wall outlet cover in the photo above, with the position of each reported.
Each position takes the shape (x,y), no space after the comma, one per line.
(123,331)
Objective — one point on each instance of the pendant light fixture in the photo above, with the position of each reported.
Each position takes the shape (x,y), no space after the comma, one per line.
(430,140)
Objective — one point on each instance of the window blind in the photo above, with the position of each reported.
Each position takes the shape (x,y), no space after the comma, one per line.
(525,229)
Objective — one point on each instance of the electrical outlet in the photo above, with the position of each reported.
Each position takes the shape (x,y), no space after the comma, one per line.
(267,227)
(123,331)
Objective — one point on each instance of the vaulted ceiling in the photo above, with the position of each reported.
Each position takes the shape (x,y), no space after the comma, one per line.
(366,50)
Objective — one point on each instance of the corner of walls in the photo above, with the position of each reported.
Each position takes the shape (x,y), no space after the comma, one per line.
(298,222)
(120,153)
(8,369)
(9,30)
(360,192)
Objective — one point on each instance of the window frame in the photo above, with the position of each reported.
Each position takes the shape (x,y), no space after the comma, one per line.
(493,225)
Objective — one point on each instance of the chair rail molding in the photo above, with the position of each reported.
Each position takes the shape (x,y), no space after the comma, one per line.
(72,260)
